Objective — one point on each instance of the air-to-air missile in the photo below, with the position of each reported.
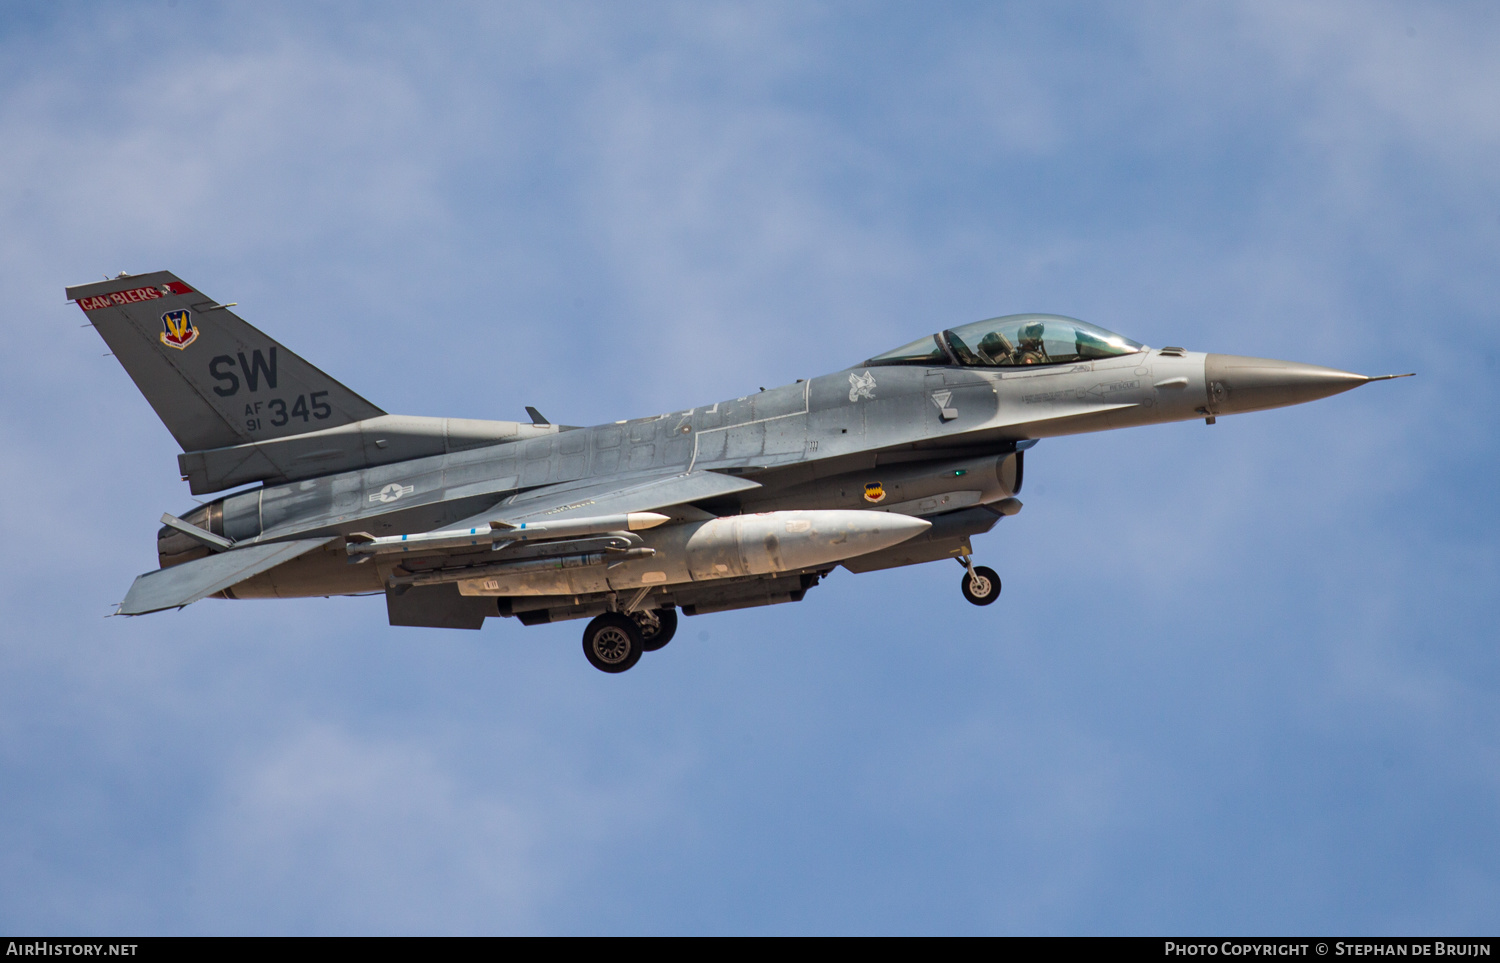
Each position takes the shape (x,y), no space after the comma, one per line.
(752,501)
(500,534)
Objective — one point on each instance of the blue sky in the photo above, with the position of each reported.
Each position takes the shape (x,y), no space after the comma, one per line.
(1242,680)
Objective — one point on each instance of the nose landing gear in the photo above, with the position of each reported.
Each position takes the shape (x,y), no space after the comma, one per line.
(981,585)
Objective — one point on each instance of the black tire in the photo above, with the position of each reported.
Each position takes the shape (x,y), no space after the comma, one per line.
(987,588)
(657,627)
(612,642)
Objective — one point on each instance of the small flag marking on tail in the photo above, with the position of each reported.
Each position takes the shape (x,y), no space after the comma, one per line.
(132,296)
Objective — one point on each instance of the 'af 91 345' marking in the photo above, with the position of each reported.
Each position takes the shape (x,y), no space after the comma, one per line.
(304,407)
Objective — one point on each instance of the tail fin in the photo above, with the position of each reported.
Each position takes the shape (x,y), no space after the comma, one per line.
(214,380)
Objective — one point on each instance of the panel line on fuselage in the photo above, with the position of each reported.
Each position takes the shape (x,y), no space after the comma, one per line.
(806,388)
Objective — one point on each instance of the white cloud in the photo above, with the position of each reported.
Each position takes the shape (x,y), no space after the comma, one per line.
(330,832)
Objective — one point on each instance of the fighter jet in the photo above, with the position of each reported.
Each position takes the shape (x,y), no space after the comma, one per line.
(900,460)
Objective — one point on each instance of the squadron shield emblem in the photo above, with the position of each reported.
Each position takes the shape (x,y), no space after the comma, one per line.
(874,492)
(177,330)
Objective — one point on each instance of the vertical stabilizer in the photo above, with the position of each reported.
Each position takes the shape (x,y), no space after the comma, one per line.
(213,379)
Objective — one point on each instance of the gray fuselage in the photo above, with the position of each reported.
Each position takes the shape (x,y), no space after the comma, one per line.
(813,444)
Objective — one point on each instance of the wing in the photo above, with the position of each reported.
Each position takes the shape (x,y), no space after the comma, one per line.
(613,496)
(180,585)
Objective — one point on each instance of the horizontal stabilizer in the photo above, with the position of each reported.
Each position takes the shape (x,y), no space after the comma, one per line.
(180,585)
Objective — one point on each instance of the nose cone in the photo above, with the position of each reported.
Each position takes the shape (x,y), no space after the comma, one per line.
(1238,384)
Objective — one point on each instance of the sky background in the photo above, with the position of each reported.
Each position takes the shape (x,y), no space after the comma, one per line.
(1243,679)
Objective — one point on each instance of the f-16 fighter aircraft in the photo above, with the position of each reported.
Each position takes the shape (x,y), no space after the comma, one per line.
(900,460)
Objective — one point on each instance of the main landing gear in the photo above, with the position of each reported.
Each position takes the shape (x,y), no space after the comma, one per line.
(613,642)
(657,627)
(980,585)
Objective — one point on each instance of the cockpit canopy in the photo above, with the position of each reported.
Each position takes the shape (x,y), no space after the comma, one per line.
(1017,339)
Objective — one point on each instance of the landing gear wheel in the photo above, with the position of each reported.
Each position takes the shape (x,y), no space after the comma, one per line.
(981,585)
(612,642)
(657,627)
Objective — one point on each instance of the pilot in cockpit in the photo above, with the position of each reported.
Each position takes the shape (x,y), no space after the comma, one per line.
(1032,351)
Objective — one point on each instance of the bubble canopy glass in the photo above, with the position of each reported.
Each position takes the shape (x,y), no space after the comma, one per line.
(1012,341)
